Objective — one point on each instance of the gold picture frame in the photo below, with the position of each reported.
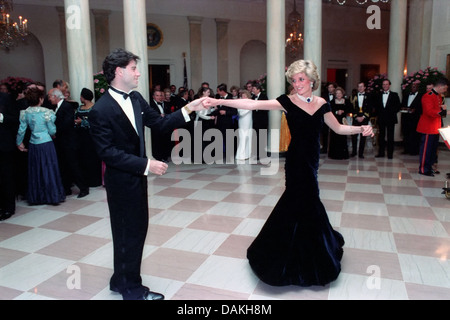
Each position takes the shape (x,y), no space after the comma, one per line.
(154,36)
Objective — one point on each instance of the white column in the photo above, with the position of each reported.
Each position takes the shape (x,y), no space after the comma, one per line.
(135,20)
(313,34)
(222,50)
(195,41)
(397,43)
(275,66)
(415,26)
(426,34)
(79,49)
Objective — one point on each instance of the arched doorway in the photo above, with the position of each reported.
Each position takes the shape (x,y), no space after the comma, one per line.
(253,60)
(26,60)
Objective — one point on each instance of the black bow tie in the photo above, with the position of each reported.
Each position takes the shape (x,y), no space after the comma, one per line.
(160,103)
(124,94)
(387,92)
(412,94)
(360,94)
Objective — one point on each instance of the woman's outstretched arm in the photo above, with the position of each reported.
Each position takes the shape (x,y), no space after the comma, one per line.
(247,104)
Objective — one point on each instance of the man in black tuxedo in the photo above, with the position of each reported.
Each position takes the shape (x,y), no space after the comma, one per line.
(361,117)
(328,96)
(117,127)
(225,116)
(260,120)
(66,144)
(387,106)
(161,142)
(9,121)
(411,110)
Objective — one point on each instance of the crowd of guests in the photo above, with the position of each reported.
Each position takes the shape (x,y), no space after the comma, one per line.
(46,148)
(421,116)
(222,118)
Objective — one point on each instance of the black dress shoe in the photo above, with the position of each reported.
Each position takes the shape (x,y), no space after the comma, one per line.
(435,171)
(379,156)
(150,295)
(361,156)
(83,194)
(68,192)
(353,155)
(429,174)
(5,215)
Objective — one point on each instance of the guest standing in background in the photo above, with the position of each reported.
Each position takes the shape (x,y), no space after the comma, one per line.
(244,150)
(410,112)
(338,148)
(387,105)
(44,179)
(260,122)
(9,120)
(66,144)
(361,117)
(90,163)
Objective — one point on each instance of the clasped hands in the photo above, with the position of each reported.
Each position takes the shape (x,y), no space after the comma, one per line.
(367,131)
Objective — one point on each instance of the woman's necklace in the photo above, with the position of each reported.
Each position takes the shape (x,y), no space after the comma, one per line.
(307,100)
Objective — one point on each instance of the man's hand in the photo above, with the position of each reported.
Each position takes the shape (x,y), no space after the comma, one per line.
(158,167)
(196,105)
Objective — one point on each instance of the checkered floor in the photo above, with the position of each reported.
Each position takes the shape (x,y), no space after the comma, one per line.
(395,222)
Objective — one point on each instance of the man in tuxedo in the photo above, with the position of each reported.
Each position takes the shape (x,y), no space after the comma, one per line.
(260,120)
(387,106)
(361,117)
(429,123)
(225,116)
(66,144)
(328,96)
(9,121)
(411,110)
(117,127)
(161,142)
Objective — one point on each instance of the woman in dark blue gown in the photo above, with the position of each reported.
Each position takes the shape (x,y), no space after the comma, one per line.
(297,245)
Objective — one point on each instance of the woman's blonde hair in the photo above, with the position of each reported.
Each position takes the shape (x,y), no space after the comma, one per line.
(308,68)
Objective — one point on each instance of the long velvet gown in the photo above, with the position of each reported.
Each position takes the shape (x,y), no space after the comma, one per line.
(297,245)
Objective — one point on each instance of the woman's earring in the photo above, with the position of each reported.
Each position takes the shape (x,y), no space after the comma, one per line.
(312,84)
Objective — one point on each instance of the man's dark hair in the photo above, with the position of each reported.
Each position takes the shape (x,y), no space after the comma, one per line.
(57,82)
(441,82)
(118,58)
(222,87)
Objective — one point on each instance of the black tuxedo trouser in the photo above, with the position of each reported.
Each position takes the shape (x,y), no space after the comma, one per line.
(7,186)
(128,206)
(362,139)
(382,143)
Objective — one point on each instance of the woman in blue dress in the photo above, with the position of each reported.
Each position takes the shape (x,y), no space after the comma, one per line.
(297,245)
(44,180)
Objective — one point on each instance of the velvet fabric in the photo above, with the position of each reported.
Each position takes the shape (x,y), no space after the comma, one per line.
(297,245)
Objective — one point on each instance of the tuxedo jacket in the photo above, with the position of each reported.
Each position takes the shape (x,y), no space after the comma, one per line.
(366,110)
(416,105)
(225,121)
(65,126)
(260,117)
(387,115)
(9,126)
(117,142)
